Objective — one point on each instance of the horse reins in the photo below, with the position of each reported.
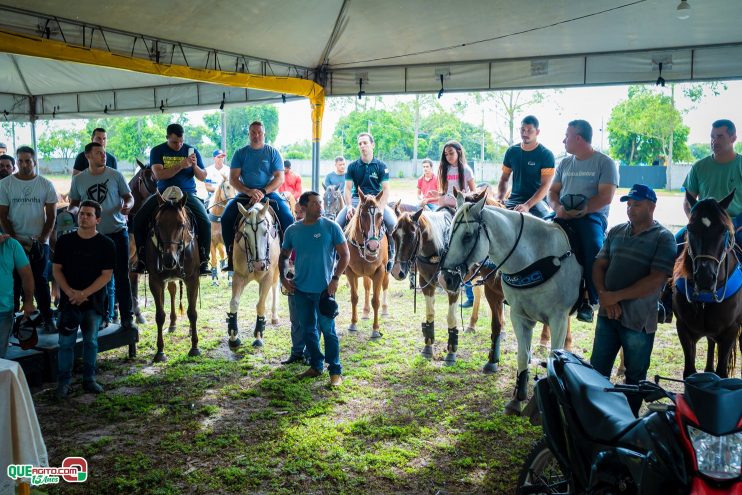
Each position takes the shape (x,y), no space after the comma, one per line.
(372,211)
(251,260)
(723,259)
(180,246)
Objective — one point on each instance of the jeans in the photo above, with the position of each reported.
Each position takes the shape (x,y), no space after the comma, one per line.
(39,261)
(89,325)
(610,336)
(120,275)
(297,339)
(590,231)
(306,310)
(6,325)
(539,210)
(231,212)
(195,205)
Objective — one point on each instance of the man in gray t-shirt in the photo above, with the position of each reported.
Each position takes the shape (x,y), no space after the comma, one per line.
(629,272)
(591,174)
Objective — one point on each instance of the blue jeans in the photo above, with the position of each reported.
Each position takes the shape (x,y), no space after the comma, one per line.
(539,210)
(591,233)
(89,325)
(120,278)
(297,339)
(6,325)
(231,212)
(610,336)
(306,310)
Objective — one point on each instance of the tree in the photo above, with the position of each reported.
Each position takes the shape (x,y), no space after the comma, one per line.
(509,105)
(701,150)
(392,131)
(299,151)
(238,124)
(60,143)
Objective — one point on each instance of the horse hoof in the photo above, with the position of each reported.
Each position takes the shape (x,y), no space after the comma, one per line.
(141,319)
(427,352)
(195,352)
(513,408)
(229,284)
(489,368)
(385,312)
(274,321)
(375,335)
(365,316)
(470,329)
(171,328)
(215,283)
(257,343)
(235,343)
(450,359)
(352,327)
(160,357)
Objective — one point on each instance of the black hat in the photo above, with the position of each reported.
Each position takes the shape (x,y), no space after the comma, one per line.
(328,306)
(573,201)
(25,329)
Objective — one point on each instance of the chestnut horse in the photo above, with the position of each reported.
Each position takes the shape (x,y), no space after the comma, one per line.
(707,299)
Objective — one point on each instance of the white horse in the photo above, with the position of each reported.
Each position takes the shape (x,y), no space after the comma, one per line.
(255,253)
(514,242)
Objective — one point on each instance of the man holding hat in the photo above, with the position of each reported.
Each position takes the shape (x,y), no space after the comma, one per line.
(216,173)
(315,240)
(636,259)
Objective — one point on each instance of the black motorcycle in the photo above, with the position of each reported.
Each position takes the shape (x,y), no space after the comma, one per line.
(593,443)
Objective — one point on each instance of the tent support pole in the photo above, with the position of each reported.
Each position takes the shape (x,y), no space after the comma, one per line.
(315,166)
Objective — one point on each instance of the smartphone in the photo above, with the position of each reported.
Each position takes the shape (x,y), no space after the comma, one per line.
(191,151)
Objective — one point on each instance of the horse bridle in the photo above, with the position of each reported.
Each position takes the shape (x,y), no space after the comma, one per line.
(272,232)
(143,182)
(336,197)
(728,247)
(180,246)
(372,210)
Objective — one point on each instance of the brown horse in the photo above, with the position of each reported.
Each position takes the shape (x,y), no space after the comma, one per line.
(368,255)
(172,254)
(707,299)
(224,192)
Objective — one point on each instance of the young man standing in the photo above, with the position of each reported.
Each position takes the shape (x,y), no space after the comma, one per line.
(83,265)
(12,259)
(81,162)
(427,185)
(336,178)
(7,166)
(291,181)
(216,173)
(315,241)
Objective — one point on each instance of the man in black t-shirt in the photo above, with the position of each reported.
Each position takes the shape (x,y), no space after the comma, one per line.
(532,166)
(81,162)
(83,265)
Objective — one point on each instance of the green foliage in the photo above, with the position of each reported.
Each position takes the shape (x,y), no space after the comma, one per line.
(61,143)
(642,128)
(238,123)
(702,150)
(300,151)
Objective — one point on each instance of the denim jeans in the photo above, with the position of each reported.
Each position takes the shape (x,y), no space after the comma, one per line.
(120,278)
(306,310)
(89,325)
(591,234)
(40,267)
(539,210)
(231,213)
(610,337)
(6,325)
(297,339)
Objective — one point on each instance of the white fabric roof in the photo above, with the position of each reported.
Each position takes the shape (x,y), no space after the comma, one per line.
(395,46)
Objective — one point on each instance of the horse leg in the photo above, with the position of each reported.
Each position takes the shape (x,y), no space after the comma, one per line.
(238,285)
(384,286)
(213,250)
(710,355)
(688,343)
(523,329)
(495,299)
(474,310)
(265,286)
(366,294)
(375,302)
(192,288)
(158,294)
(568,336)
(274,298)
(428,325)
(173,291)
(726,342)
(353,282)
(545,336)
(453,332)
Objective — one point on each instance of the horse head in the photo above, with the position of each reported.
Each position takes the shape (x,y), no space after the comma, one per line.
(464,247)
(172,233)
(369,223)
(333,201)
(407,236)
(258,229)
(709,242)
(146,183)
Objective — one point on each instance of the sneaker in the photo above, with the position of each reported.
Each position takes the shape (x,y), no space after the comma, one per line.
(336,380)
(92,386)
(310,373)
(467,304)
(585,312)
(63,390)
(293,359)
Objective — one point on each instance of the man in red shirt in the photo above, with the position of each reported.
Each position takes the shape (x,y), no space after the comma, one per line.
(427,185)
(291,181)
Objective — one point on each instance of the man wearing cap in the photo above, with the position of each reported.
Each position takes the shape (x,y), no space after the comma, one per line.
(594,176)
(291,181)
(629,273)
(3,148)
(81,162)
(315,241)
(216,173)
(7,166)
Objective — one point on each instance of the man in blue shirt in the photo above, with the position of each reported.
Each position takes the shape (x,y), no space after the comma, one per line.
(315,241)
(175,163)
(256,173)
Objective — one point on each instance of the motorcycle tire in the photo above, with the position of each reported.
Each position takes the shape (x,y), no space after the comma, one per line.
(541,469)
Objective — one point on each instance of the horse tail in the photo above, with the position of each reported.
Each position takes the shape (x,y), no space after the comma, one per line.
(180,298)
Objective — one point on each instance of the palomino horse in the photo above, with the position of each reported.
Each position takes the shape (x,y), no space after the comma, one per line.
(368,255)
(172,254)
(540,274)
(224,192)
(333,202)
(707,299)
(255,252)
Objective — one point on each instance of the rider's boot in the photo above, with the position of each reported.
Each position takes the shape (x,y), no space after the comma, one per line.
(203,268)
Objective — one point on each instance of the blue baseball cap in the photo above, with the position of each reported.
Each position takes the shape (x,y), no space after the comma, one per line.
(640,192)
(218,153)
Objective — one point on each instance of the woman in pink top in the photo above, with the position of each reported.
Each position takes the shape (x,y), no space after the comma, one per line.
(453,171)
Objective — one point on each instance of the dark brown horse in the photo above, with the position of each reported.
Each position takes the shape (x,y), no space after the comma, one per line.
(707,299)
(173,255)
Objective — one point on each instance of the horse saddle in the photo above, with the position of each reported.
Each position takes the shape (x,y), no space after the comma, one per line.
(573,238)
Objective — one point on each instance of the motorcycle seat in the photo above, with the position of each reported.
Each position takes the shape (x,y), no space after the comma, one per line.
(604,415)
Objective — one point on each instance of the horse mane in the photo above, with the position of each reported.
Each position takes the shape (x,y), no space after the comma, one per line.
(707,208)
(436,225)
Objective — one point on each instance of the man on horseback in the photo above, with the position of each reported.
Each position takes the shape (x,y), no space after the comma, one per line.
(593,177)
(372,177)
(175,163)
(629,272)
(256,172)
(532,166)
(336,178)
